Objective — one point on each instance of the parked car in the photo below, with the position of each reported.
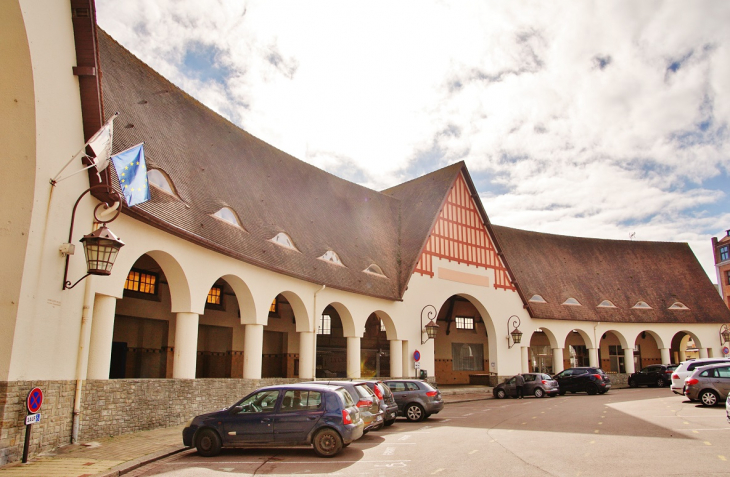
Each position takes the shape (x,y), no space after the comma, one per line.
(365,400)
(588,379)
(727,408)
(324,417)
(387,400)
(537,384)
(708,384)
(686,368)
(658,375)
(416,399)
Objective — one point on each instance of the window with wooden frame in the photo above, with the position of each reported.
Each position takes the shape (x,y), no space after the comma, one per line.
(274,308)
(215,298)
(141,284)
(464,323)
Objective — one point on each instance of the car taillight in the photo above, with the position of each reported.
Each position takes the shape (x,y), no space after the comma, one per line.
(544,382)
(432,393)
(667,372)
(364,403)
(346,418)
(598,377)
(675,376)
(378,393)
(691,381)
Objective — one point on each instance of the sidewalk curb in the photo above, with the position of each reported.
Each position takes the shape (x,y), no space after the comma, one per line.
(135,464)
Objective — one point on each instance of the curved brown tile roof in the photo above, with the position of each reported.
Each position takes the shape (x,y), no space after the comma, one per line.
(215,164)
(559,267)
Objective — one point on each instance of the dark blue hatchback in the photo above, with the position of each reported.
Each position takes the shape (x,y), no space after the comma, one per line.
(324,417)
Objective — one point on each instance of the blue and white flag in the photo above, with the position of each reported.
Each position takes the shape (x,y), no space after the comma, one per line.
(132,172)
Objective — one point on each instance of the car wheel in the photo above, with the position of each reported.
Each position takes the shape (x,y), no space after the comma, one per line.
(603,391)
(591,388)
(708,398)
(659,383)
(414,413)
(500,394)
(389,423)
(633,383)
(561,392)
(327,443)
(208,443)
(539,393)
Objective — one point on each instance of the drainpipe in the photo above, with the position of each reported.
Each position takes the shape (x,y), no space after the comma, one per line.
(82,359)
(314,335)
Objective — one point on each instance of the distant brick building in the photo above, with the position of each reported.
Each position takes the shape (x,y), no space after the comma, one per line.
(721,252)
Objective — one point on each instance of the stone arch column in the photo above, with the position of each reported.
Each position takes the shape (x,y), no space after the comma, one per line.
(102,334)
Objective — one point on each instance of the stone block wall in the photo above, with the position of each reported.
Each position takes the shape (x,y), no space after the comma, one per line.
(122,406)
(56,417)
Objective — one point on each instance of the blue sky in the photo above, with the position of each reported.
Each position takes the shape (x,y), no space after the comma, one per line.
(595,119)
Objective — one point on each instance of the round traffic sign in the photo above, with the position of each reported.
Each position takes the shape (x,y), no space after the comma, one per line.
(417,356)
(34,400)
(725,350)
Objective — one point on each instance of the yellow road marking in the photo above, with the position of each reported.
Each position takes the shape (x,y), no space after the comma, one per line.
(722,458)
(708,443)
(473,452)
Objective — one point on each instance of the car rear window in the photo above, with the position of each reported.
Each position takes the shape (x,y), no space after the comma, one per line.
(345,397)
(546,376)
(364,391)
(698,364)
(385,390)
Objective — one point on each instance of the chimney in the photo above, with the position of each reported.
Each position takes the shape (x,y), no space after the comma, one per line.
(728,232)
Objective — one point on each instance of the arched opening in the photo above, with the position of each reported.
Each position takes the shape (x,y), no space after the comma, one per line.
(142,342)
(375,349)
(611,352)
(646,350)
(684,347)
(281,341)
(576,350)
(461,345)
(331,345)
(540,353)
(220,335)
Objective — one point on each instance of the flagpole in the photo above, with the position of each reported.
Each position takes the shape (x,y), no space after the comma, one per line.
(55,179)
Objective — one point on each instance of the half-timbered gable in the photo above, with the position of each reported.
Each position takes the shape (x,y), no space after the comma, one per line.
(461,235)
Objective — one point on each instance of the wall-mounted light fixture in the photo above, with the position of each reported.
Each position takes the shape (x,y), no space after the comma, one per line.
(724,334)
(100,246)
(431,328)
(516,334)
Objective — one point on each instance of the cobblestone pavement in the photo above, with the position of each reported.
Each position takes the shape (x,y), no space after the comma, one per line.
(118,455)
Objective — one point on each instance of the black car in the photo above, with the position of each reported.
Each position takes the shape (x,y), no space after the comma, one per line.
(588,379)
(658,375)
(324,417)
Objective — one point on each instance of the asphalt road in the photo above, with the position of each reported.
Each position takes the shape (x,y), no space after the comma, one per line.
(626,432)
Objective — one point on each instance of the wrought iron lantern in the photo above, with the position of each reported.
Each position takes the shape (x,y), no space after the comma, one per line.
(724,334)
(431,328)
(100,246)
(516,334)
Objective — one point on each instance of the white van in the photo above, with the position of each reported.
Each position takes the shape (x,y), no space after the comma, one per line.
(686,368)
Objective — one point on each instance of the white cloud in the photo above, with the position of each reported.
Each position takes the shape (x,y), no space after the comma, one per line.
(582,118)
